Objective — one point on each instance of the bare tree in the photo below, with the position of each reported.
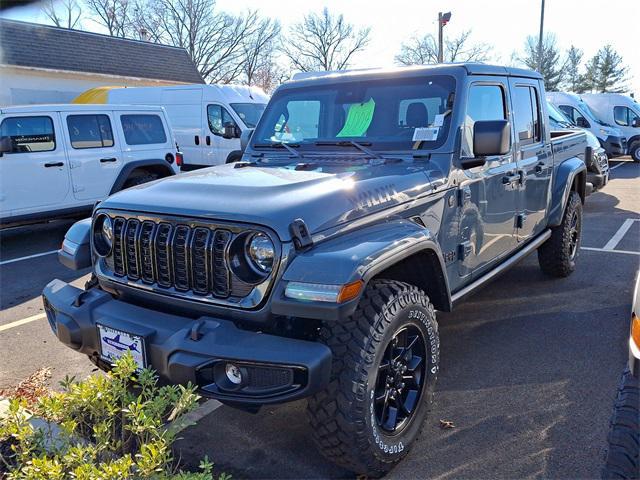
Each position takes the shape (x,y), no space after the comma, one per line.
(63,13)
(424,50)
(258,50)
(114,15)
(323,42)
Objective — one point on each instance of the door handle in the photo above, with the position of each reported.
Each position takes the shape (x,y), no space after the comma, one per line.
(197,140)
(107,160)
(54,164)
(507,179)
(208,139)
(540,167)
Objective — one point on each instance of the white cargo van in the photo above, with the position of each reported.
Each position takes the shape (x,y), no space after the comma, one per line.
(207,120)
(621,111)
(59,160)
(610,137)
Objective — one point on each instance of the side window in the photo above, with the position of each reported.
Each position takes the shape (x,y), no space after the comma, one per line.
(486,102)
(28,134)
(90,131)
(575,116)
(526,115)
(143,129)
(620,115)
(218,116)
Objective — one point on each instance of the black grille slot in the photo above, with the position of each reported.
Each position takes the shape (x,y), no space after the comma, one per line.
(220,270)
(146,251)
(118,258)
(163,254)
(131,248)
(200,260)
(180,246)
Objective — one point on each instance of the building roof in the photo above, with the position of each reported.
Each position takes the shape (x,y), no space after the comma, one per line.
(42,46)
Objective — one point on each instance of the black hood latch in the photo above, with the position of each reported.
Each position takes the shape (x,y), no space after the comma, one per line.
(300,234)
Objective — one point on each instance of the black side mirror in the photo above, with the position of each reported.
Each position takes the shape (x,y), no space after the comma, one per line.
(490,138)
(245,137)
(5,145)
(230,131)
(582,122)
(636,122)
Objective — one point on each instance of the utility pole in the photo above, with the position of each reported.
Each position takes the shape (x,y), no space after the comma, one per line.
(540,37)
(443,19)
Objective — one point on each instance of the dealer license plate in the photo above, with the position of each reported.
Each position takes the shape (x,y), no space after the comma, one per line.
(115,343)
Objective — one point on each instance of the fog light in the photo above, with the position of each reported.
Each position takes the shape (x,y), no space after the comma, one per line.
(234,375)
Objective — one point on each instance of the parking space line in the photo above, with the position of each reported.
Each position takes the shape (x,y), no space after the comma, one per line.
(618,165)
(624,228)
(593,249)
(36,255)
(17,323)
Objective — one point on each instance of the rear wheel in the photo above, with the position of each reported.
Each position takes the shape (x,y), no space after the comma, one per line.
(385,367)
(557,256)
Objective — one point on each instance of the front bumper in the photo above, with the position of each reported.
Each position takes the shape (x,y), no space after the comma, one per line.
(598,180)
(614,146)
(181,350)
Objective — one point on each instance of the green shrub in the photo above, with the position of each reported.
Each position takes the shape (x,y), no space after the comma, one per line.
(114,426)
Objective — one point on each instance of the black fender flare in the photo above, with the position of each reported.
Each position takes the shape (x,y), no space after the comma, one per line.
(128,168)
(564,178)
(354,256)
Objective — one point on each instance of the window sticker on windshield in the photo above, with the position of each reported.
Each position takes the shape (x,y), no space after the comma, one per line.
(439,120)
(425,134)
(358,119)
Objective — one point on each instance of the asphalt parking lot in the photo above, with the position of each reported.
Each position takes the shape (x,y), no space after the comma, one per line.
(529,365)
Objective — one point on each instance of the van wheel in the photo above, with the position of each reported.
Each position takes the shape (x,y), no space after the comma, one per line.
(557,256)
(622,459)
(634,151)
(234,158)
(139,178)
(385,364)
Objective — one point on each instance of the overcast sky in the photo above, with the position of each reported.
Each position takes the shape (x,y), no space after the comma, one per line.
(587,24)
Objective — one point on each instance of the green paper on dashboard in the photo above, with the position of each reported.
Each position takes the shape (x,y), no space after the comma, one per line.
(358,119)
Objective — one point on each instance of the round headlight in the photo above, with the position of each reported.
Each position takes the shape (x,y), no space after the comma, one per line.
(260,252)
(102,235)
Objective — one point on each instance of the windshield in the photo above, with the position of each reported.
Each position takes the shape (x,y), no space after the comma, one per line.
(385,114)
(249,113)
(585,108)
(555,115)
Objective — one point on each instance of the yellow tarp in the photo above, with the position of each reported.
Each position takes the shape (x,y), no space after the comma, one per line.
(94,95)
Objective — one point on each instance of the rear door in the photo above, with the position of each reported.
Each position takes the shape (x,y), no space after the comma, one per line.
(489,193)
(94,155)
(144,135)
(34,175)
(533,155)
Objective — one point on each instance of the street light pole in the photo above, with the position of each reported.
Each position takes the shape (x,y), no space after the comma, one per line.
(540,37)
(443,19)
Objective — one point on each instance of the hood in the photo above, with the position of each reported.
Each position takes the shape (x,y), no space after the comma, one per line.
(274,196)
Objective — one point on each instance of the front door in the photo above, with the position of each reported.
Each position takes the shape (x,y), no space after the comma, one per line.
(218,148)
(94,157)
(34,173)
(533,155)
(488,195)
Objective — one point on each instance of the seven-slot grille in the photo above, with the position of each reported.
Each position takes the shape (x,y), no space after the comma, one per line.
(173,256)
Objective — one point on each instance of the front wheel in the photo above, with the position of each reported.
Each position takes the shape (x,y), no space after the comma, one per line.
(557,256)
(634,151)
(385,366)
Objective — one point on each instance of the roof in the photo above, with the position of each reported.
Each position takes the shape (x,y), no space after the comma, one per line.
(43,46)
(71,107)
(412,71)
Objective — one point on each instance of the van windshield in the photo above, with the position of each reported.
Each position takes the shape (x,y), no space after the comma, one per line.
(249,113)
(387,114)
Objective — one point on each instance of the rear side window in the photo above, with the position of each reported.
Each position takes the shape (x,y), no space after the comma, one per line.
(526,114)
(90,131)
(28,134)
(141,129)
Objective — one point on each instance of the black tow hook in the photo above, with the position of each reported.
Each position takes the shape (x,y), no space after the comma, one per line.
(195,334)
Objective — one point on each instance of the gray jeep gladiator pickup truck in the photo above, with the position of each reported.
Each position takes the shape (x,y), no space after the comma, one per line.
(313,267)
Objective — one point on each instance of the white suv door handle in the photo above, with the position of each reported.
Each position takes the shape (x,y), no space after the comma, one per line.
(108,160)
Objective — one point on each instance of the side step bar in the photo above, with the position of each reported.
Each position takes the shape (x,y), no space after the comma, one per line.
(503,267)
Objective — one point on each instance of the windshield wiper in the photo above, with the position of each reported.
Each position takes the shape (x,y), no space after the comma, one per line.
(286,146)
(351,143)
